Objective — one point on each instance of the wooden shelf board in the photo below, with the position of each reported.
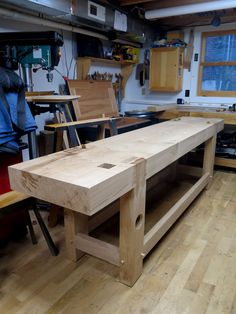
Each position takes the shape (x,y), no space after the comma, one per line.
(108,61)
(159,201)
(225,162)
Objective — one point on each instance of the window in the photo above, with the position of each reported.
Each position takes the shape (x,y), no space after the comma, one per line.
(217,73)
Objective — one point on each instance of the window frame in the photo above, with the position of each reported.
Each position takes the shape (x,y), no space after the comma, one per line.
(205,64)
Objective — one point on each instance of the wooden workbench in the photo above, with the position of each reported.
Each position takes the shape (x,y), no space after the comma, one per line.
(229,118)
(45,103)
(84,181)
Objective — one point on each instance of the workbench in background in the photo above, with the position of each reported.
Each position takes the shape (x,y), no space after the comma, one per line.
(45,103)
(229,118)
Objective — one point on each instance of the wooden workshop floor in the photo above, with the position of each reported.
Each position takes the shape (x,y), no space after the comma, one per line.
(192,270)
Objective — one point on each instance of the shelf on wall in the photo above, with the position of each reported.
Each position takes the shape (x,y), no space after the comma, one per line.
(107,61)
(84,64)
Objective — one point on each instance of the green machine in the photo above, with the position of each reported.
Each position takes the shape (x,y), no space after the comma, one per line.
(29,49)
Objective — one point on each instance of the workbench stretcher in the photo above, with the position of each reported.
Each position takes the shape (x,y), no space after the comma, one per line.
(84,181)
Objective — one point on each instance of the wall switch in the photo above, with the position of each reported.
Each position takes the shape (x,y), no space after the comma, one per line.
(196,57)
(187,93)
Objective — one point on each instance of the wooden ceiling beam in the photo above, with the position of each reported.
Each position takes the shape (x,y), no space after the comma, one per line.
(192,20)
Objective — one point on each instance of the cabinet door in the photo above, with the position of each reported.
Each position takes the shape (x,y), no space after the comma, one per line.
(166,69)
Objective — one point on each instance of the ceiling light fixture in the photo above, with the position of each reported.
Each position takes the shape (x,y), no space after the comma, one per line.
(190,9)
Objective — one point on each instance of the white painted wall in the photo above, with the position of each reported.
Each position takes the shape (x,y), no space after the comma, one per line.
(135,100)
(136,97)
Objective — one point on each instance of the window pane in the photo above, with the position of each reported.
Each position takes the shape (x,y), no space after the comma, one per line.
(220,48)
(219,78)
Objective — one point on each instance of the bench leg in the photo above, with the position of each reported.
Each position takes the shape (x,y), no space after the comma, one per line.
(58,141)
(30,226)
(113,128)
(54,213)
(101,132)
(74,222)
(209,158)
(132,218)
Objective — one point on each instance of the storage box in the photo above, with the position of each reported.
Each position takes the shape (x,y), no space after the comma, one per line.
(130,54)
(175,35)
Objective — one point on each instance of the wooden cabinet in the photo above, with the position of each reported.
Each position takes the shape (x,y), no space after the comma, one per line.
(166,69)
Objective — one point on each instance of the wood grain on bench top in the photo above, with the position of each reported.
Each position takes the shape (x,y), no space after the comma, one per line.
(86,180)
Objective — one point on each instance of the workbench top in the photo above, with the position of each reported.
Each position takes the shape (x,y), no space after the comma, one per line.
(86,180)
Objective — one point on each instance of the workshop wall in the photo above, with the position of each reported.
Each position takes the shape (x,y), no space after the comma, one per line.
(66,67)
(138,97)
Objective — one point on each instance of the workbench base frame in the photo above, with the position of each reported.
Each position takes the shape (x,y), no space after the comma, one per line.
(134,245)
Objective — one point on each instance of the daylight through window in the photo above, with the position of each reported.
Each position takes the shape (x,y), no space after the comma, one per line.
(217,73)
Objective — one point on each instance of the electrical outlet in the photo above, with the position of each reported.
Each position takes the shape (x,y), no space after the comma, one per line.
(143,91)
